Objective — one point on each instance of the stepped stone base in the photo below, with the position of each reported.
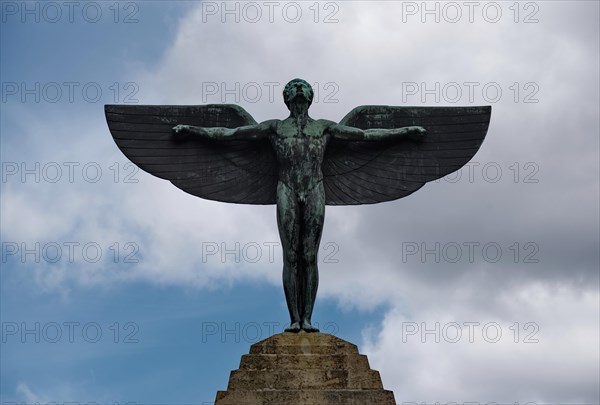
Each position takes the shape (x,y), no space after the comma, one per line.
(304,369)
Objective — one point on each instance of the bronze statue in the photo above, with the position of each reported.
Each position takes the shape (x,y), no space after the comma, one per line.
(375,154)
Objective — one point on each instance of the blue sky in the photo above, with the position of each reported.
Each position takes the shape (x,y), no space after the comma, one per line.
(175,319)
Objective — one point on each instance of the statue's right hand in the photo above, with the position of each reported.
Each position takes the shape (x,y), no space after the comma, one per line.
(181,131)
(416,133)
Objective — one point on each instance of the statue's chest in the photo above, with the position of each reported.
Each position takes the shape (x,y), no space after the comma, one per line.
(299,147)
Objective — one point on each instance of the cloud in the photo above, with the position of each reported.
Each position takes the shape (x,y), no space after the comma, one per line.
(28,395)
(540,347)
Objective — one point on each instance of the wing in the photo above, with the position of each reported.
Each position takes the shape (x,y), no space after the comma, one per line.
(372,172)
(230,171)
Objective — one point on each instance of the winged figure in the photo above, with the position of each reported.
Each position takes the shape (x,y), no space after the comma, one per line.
(374,154)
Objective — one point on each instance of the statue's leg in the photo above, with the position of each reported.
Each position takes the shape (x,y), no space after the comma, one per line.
(312,226)
(289,232)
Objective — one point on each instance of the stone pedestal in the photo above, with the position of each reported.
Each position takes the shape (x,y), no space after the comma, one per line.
(304,369)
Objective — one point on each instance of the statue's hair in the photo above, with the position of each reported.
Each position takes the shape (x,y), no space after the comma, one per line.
(289,86)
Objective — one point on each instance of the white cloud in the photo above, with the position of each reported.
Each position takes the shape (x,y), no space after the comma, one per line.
(28,395)
(547,351)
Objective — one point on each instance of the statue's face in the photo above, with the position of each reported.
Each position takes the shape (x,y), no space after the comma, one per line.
(297,88)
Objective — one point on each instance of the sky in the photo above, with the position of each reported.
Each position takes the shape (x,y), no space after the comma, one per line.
(482,287)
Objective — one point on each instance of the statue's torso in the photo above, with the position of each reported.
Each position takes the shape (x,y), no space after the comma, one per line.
(300,148)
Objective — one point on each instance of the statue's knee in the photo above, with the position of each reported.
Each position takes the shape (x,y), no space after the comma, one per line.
(311,259)
(291,261)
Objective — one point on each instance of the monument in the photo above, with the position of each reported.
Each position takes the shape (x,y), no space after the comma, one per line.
(374,154)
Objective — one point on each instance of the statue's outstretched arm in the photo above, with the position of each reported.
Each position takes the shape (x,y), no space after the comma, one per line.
(346,133)
(248,132)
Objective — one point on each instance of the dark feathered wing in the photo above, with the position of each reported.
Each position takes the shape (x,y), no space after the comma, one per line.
(229,171)
(372,172)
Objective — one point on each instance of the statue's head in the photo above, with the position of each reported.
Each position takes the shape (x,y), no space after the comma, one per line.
(297,87)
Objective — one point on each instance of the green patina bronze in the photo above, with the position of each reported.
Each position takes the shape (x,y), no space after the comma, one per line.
(375,154)
(299,143)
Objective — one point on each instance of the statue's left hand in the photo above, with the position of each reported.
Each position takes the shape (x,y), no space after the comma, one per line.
(181,132)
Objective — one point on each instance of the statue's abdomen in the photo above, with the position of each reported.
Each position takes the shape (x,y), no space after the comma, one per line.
(300,160)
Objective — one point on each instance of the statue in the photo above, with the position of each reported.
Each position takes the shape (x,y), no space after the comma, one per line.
(375,154)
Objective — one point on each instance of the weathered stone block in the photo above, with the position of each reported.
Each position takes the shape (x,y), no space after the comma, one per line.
(304,369)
